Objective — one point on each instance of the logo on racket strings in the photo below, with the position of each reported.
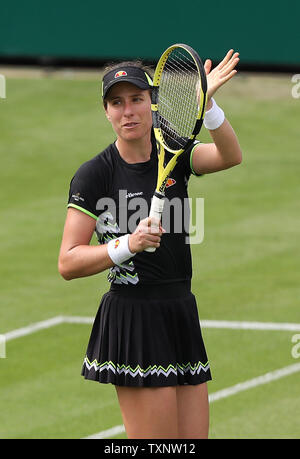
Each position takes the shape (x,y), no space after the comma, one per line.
(120,74)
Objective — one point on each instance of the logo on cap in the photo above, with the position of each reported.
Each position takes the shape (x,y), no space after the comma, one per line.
(120,73)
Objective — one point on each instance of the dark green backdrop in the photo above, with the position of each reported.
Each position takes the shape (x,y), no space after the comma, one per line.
(264,32)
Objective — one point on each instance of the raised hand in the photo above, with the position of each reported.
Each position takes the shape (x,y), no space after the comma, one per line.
(221,73)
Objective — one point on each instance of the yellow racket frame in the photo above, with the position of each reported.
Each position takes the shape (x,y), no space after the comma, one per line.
(164,172)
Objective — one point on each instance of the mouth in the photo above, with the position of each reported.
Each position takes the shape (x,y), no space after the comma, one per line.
(130,125)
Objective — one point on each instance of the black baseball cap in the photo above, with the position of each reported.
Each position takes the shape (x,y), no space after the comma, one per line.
(131,74)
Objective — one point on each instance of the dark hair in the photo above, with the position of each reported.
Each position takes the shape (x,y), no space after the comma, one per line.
(136,63)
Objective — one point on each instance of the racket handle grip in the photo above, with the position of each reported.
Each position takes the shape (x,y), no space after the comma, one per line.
(156,210)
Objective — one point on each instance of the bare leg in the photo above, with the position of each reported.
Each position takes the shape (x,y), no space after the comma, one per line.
(193,411)
(149,412)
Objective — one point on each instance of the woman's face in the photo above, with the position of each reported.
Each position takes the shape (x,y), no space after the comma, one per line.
(129,111)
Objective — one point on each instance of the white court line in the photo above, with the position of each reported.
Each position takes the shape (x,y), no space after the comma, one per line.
(223,393)
(19,332)
(255,382)
(37,326)
(237,325)
(109,433)
(250,325)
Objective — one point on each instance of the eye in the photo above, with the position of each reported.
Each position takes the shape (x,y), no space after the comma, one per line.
(138,99)
(116,102)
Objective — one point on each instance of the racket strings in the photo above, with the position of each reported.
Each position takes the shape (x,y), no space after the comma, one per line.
(184,62)
(178,99)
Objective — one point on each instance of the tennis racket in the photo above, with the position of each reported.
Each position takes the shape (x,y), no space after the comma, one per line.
(178,106)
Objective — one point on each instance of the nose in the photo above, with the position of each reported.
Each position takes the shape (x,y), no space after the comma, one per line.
(128,109)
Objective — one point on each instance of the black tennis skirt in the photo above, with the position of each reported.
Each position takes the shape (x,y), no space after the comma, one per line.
(147,337)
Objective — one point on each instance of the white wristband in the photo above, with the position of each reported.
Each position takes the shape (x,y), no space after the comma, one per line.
(214,117)
(118,250)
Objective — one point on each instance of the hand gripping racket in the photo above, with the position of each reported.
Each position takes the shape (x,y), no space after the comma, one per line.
(178,105)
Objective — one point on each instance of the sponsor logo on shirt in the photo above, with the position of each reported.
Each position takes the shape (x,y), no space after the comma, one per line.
(77,197)
(170,182)
(132,195)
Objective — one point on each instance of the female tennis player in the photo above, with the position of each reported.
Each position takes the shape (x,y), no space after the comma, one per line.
(146,338)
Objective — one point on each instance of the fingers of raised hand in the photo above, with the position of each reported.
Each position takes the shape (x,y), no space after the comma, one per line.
(207,66)
(229,63)
(226,69)
(227,59)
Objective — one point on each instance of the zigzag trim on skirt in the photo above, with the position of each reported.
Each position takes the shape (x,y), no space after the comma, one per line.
(152,369)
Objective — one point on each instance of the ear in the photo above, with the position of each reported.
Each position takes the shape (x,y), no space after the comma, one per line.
(107,115)
(105,109)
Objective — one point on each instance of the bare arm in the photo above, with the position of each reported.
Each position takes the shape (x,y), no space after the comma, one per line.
(225,152)
(79,259)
